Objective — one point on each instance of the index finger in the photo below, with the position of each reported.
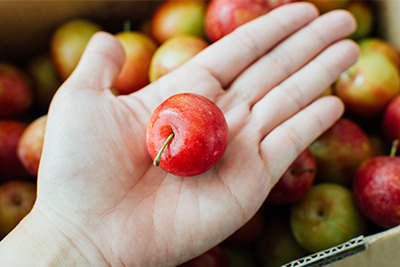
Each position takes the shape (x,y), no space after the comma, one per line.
(229,56)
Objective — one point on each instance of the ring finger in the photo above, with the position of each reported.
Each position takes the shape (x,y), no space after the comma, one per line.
(291,55)
(302,87)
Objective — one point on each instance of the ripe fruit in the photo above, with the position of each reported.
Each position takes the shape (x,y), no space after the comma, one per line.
(187,135)
(382,47)
(173,53)
(391,120)
(30,145)
(296,181)
(364,17)
(16,94)
(45,80)
(377,189)
(223,16)
(173,18)
(10,166)
(325,217)
(139,49)
(16,201)
(277,245)
(68,42)
(328,5)
(339,151)
(369,85)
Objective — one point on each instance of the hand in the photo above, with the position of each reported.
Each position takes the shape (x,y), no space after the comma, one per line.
(97,185)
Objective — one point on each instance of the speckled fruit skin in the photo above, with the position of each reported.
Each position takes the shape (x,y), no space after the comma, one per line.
(68,43)
(339,151)
(30,145)
(391,120)
(139,49)
(325,217)
(296,181)
(200,134)
(173,53)
(16,94)
(173,18)
(223,16)
(364,16)
(380,46)
(377,190)
(368,85)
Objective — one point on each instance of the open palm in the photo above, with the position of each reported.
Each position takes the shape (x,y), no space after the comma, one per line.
(96,180)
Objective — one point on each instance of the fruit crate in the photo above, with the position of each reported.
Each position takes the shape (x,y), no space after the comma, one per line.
(25,27)
(378,249)
(369,251)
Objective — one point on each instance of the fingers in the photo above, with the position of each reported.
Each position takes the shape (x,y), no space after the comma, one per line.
(100,64)
(294,135)
(302,87)
(229,56)
(291,55)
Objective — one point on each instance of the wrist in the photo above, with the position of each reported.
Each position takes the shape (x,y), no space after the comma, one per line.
(37,241)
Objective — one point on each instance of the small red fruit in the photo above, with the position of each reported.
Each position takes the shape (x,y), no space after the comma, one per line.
(68,42)
(223,16)
(339,151)
(10,166)
(172,18)
(377,189)
(16,94)
(30,145)
(187,135)
(368,85)
(173,53)
(391,120)
(139,49)
(296,181)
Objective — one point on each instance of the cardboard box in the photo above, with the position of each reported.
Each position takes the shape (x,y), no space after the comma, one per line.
(389,21)
(25,28)
(371,251)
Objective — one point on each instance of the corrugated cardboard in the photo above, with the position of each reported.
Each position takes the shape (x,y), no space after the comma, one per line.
(389,21)
(378,250)
(381,249)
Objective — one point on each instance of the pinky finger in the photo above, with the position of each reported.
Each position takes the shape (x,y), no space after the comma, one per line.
(294,135)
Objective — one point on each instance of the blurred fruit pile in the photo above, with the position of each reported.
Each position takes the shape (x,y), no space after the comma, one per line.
(346,184)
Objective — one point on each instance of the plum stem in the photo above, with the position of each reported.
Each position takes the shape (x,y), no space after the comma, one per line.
(156,161)
(127,25)
(395,145)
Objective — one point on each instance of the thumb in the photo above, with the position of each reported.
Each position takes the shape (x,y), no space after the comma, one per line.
(99,65)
